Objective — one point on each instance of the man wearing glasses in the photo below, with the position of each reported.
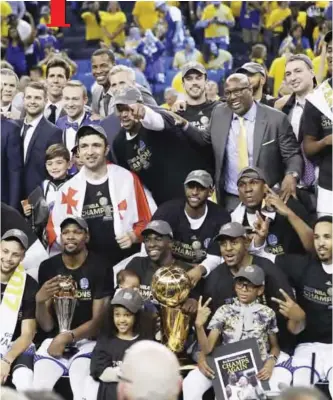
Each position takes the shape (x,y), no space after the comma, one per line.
(246,133)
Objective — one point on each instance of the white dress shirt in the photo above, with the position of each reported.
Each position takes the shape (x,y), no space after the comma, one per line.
(47,110)
(29,134)
(69,137)
(296,116)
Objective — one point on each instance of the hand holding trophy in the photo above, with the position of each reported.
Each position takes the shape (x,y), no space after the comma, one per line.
(64,304)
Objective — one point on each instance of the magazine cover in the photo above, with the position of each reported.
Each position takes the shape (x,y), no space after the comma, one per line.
(236,366)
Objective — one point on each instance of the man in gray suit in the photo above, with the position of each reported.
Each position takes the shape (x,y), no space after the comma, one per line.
(246,133)
(102,61)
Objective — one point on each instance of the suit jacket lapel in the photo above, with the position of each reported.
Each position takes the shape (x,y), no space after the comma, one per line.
(33,138)
(259,132)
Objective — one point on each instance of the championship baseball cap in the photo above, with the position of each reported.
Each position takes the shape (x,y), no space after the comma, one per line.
(251,68)
(193,65)
(252,172)
(94,129)
(130,95)
(252,273)
(128,298)
(328,37)
(231,229)
(76,220)
(201,176)
(17,234)
(158,226)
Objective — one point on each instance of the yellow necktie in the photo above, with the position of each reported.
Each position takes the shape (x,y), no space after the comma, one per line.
(243,158)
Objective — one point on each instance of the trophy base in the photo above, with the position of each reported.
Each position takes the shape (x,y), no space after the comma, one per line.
(70,351)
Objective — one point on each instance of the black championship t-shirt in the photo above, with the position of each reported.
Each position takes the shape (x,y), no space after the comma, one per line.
(191,245)
(28,305)
(98,212)
(108,352)
(162,159)
(199,116)
(219,285)
(282,238)
(313,288)
(315,123)
(145,270)
(93,281)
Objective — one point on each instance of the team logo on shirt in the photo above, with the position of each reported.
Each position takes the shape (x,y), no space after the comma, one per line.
(84,283)
(329,290)
(272,240)
(207,242)
(142,159)
(273,245)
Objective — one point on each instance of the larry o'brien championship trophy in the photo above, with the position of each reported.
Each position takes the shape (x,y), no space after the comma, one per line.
(171,287)
(64,305)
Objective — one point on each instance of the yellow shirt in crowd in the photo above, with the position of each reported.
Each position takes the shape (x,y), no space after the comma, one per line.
(93,30)
(5,10)
(111,22)
(316,64)
(268,6)
(180,58)
(236,7)
(177,83)
(276,72)
(279,14)
(214,30)
(146,14)
(220,61)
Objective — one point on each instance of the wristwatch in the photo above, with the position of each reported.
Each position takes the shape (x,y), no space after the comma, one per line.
(273,357)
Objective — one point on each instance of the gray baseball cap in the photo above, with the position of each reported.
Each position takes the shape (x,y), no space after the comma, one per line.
(158,226)
(252,172)
(17,234)
(251,68)
(76,220)
(128,298)
(130,95)
(196,66)
(95,129)
(252,273)
(231,229)
(201,176)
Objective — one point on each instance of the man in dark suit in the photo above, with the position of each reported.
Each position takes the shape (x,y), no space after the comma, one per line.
(11,163)
(37,134)
(245,133)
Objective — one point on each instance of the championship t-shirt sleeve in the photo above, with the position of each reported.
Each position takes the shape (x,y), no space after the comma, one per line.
(44,273)
(292,266)
(29,299)
(272,323)
(104,285)
(310,122)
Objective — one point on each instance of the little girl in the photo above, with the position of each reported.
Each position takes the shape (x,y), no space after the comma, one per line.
(125,325)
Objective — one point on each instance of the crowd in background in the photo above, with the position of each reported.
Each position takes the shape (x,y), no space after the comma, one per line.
(190,134)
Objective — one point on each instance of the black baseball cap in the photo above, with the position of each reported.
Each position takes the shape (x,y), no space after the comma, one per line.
(158,226)
(252,273)
(252,68)
(231,229)
(129,96)
(200,176)
(94,129)
(76,220)
(18,235)
(252,172)
(193,65)
(128,298)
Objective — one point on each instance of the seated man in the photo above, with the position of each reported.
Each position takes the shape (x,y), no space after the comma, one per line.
(311,276)
(194,222)
(157,237)
(288,229)
(18,307)
(89,271)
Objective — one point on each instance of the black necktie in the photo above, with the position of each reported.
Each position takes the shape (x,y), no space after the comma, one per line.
(52,116)
(24,132)
(106,102)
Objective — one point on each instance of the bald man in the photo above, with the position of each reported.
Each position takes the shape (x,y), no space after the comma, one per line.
(245,133)
(157,377)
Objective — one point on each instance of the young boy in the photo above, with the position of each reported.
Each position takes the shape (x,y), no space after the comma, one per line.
(127,279)
(57,163)
(245,318)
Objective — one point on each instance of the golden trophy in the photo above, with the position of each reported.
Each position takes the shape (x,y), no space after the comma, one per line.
(64,305)
(171,287)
